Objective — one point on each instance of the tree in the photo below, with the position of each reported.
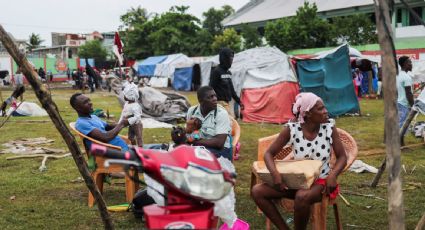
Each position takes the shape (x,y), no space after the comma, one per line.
(174,32)
(137,28)
(251,37)
(202,46)
(34,41)
(93,49)
(230,39)
(213,19)
(304,30)
(133,17)
(355,29)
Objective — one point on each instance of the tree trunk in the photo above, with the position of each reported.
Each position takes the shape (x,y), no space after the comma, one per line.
(392,139)
(51,108)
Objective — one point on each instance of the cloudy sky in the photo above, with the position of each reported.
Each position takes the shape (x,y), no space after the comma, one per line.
(23,17)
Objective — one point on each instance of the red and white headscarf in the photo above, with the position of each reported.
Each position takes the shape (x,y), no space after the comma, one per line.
(303,103)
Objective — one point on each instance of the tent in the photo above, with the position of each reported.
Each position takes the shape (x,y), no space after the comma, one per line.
(161,69)
(330,78)
(264,79)
(147,66)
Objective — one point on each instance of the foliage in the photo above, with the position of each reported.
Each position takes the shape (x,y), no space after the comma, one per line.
(174,32)
(304,30)
(251,37)
(202,46)
(230,39)
(134,16)
(213,19)
(93,49)
(34,41)
(355,29)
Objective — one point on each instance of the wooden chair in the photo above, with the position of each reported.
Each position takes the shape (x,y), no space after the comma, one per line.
(319,210)
(236,134)
(100,171)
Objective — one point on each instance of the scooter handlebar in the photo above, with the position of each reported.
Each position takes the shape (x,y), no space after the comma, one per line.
(99,150)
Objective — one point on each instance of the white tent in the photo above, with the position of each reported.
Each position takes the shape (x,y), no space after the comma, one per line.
(166,68)
(254,68)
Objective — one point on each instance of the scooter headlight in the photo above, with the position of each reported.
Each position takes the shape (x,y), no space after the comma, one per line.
(197,181)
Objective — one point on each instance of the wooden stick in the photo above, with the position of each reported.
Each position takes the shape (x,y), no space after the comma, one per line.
(43,162)
(8,116)
(364,195)
(392,130)
(421,224)
(51,108)
(345,200)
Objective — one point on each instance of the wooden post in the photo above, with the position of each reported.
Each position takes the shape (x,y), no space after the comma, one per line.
(392,139)
(421,224)
(51,108)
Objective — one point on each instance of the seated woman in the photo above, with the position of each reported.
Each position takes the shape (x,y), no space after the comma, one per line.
(311,137)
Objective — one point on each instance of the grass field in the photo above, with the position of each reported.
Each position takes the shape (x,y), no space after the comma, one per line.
(51,200)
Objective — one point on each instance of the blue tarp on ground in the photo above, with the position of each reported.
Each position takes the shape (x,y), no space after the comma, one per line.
(147,66)
(183,79)
(330,78)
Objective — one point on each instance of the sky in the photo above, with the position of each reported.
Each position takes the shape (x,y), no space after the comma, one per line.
(23,17)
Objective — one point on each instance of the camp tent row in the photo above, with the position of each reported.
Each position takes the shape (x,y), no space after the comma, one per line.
(175,67)
(267,81)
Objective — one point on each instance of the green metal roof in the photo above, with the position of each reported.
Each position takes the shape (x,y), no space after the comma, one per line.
(408,43)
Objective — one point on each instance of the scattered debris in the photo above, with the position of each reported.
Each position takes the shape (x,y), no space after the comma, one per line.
(411,172)
(365,195)
(30,146)
(368,207)
(344,199)
(78,180)
(357,226)
(43,166)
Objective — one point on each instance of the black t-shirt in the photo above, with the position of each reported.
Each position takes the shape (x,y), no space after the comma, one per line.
(221,82)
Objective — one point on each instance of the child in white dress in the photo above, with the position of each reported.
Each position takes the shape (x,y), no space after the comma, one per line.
(133,111)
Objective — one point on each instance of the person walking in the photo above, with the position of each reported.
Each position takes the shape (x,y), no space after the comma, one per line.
(221,80)
(404,89)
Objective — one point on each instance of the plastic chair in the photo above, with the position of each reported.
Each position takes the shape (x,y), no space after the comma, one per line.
(236,134)
(100,171)
(319,210)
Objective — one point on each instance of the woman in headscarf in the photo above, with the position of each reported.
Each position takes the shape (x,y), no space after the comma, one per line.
(312,136)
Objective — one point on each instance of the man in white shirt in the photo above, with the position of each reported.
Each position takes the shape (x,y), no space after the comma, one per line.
(404,89)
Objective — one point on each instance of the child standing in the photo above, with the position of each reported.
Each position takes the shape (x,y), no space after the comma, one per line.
(133,111)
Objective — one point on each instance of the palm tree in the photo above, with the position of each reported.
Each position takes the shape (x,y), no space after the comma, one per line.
(35,41)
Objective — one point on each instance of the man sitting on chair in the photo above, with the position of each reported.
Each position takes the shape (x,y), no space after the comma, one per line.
(93,126)
(215,129)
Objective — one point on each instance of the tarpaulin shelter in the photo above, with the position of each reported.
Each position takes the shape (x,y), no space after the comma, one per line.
(329,77)
(147,66)
(264,79)
(172,67)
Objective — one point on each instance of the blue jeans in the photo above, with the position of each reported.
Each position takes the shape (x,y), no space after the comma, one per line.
(225,152)
(403,111)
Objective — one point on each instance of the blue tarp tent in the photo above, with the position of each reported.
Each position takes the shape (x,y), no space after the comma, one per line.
(329,77)
(183,79)
(147,66)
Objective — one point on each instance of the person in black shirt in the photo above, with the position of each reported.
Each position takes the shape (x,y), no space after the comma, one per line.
(221,80)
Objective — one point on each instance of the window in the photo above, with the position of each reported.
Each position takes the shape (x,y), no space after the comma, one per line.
(412,19)
(399,16)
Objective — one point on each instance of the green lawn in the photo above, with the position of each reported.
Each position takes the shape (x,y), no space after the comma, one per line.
(50,200)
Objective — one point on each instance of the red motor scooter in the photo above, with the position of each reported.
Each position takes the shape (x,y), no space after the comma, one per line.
(187,180)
